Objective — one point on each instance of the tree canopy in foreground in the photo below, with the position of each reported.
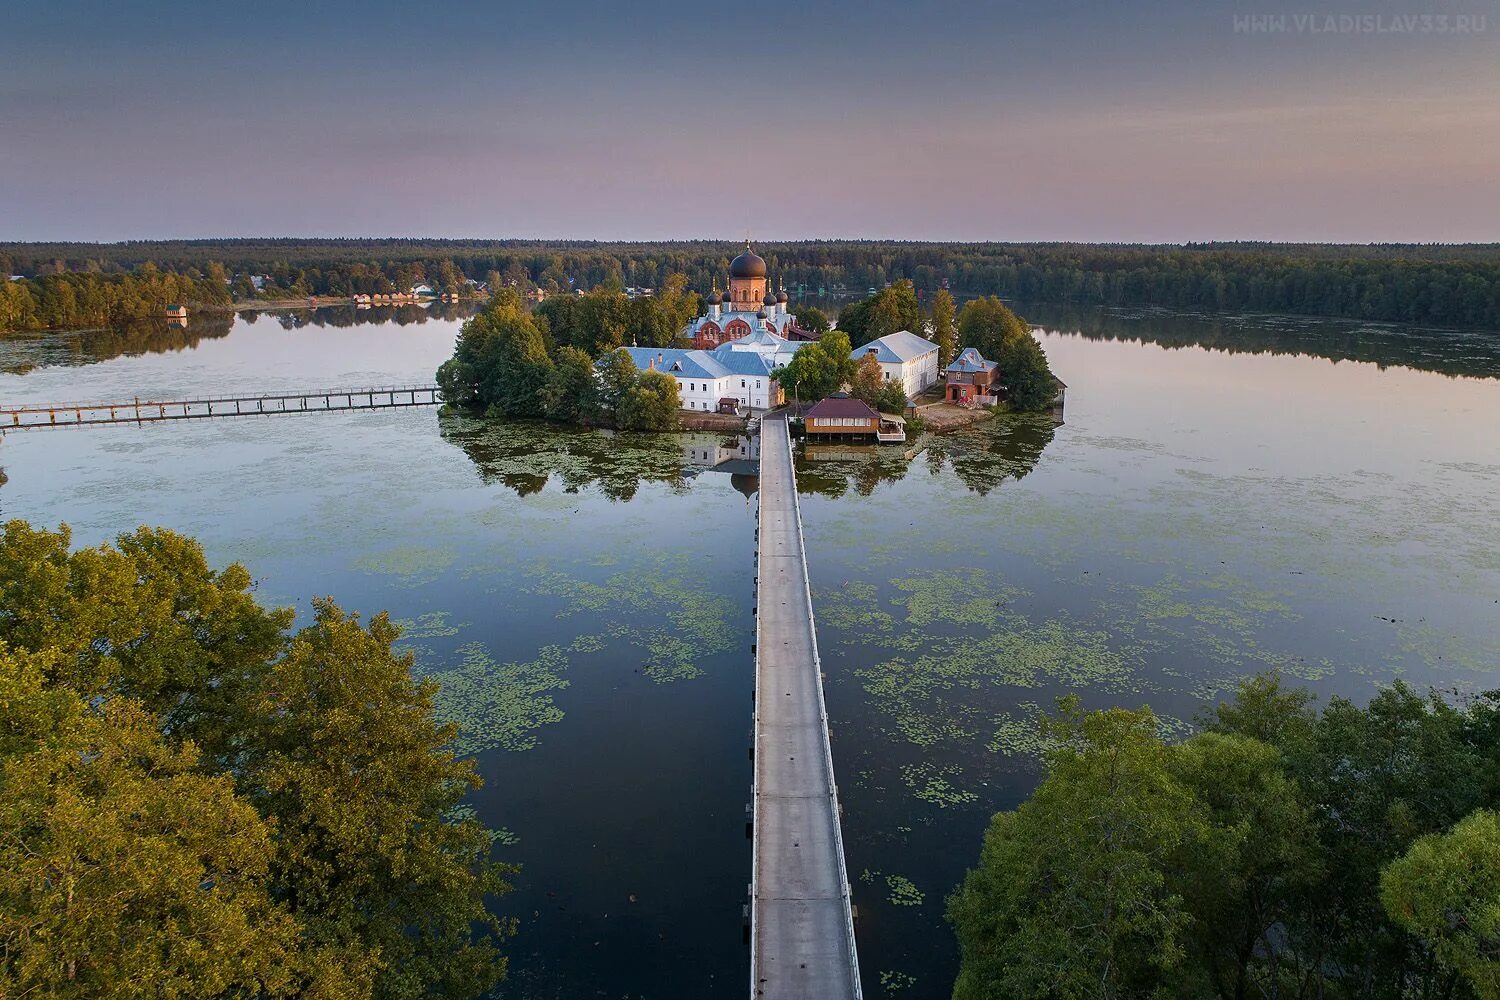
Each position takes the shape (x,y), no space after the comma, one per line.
(199,802)
(1280,853)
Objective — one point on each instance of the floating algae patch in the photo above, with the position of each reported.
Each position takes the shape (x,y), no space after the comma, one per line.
(499,706)
(913,691)
(853,607)
(954,596)
(1020,733)
(694,620)
(930,783)
(428,625)
(587,643)
(415,564)
(903,891)
(893,981)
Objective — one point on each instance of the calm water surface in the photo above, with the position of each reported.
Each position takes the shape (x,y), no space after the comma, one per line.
(1201,514)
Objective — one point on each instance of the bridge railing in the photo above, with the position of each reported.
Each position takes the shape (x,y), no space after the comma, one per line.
(833,788)
(119,404)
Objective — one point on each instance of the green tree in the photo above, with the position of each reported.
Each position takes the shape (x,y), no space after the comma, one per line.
(126,870)
(569,392)
(887,311)
(344,752)
(943,332)
(1070,898)
(197,804)
(500,362)
(1000,335)
(818,369)
(812,319)
(651,404)
(617,376)
(1446,891)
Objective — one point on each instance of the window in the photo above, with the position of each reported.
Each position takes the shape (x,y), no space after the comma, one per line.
(757,383)
(742,383)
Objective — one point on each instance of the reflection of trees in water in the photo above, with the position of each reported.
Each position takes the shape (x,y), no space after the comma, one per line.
(831,470)
(982,457)
(986,455)
(526,455)
(86,347)
(1447,352)
(405,314)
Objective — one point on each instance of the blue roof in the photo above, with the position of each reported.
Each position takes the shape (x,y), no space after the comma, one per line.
(895,348)
(970,360)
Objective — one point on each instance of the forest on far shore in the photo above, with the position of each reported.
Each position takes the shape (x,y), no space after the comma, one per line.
(1429,284)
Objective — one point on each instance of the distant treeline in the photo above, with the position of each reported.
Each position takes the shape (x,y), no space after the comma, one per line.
(1445,285)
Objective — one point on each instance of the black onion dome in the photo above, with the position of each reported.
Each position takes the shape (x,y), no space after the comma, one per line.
(715,298)
(769,300)
(781,295)
(761,314)
(748,265)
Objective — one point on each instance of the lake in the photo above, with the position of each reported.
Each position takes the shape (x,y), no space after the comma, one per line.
(1225,495)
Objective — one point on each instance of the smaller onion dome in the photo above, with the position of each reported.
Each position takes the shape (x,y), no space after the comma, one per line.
(715,298)
(761,314)
(781,295)
(769,300)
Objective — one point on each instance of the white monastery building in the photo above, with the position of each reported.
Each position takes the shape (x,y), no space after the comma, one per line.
(904,357)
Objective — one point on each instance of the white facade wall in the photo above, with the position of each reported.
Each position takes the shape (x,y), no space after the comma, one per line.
(914,375)
(702,395)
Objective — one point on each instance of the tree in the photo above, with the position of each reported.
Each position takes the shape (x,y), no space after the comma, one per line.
(811,319)
(570,390)
(1000,335)
(1244,873)
(943,332)
(887,311)
(818,369)
(198,804)
(500,362)
(617,376)
(651,404)
(1070,897)
(868,381)
(344,752)
(1446,890)
(126,870)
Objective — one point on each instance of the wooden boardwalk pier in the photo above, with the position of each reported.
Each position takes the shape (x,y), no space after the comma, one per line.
(801,918)
(39,415)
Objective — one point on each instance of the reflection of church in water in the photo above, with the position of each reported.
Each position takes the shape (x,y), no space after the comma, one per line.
(748,307)
(738,456)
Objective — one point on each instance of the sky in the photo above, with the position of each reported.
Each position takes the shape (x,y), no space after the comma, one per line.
(1088,120)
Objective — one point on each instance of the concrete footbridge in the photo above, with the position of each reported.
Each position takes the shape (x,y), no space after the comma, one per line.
(801,918)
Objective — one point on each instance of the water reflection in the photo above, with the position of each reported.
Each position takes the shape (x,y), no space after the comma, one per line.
(404,314)
(23,353)
(26,352)
(526,456)
(982,457)
(1474,353)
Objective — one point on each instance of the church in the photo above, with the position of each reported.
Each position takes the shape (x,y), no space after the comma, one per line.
(749,307)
